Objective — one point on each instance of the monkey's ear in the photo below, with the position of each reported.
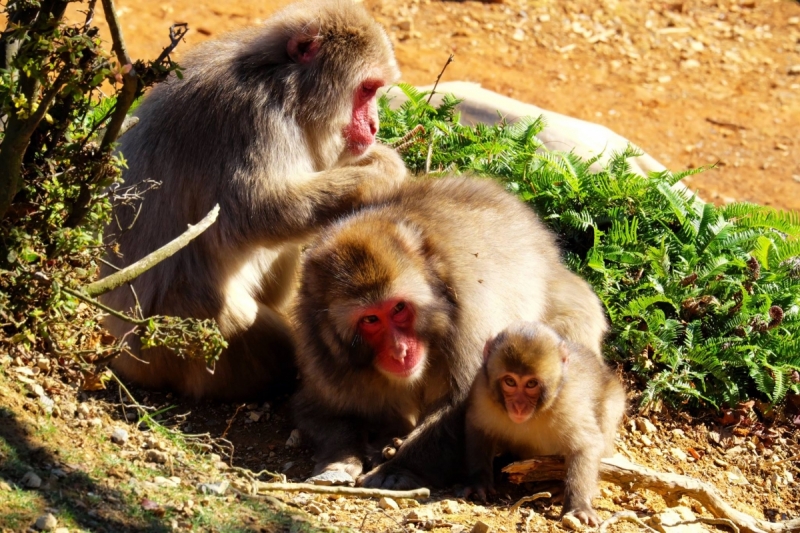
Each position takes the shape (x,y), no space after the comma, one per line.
(304,45)
(487,348)
(564,350)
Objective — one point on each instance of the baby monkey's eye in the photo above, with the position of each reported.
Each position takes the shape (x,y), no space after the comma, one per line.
(511,382)
(532,384)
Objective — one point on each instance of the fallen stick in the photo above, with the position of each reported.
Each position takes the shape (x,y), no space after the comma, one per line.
(624,473)
(353,492)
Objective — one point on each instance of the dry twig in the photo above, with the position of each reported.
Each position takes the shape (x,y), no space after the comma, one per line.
(626,474)
(353,492)
(628,516)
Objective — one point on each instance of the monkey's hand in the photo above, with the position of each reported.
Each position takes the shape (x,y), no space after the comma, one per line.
(388,173)
(390,476)
(477,491)
(351,465)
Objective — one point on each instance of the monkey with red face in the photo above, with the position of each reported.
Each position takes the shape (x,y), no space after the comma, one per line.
(395,304)
(276,124)
(539,394)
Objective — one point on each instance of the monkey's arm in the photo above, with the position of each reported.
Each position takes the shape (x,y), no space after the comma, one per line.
(581,481)
(480,454)
(432,454)
(340,442)
(299,206)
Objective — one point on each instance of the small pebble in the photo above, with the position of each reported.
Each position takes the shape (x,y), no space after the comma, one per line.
(388,504)
(332,477)
(678,454)
(96,422)
(480,527)
(294,439)
(419,515)
(314,509)
(31,480)
(62,530)
(84,410)
(156,456)
(5,486)
(645,426)
(46,522)
(450,507)
(119,436)
(216,489)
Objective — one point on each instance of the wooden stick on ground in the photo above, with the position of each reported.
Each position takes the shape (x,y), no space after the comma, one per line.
(624,473)
(354,492)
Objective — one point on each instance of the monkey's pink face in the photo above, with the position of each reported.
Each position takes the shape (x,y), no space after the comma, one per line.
(388,327)
(521,395)
(359,134)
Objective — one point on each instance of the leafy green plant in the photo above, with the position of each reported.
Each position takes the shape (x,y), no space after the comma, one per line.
(703,300)
(57,135)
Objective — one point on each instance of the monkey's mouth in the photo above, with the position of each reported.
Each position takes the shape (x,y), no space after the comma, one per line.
(358,149)
(406,367)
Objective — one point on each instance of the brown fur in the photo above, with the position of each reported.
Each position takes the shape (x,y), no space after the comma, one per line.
(471,258)
(248,128)
(577,416)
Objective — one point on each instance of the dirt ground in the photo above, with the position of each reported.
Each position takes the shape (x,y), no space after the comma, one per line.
(692,82)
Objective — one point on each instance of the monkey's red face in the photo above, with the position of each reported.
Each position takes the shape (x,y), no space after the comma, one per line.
(388,327)
(521,395)
(360,132)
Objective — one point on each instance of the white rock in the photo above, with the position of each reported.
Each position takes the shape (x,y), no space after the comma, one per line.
(31,480)
(294,439)
(690,63)
(735,476)
(645,426)
(422,514)
(332,477)
(46,522)
(794,70)
(646,440)
(216,489)
(314,509)
(572,522)
(61,530)
(84,410)
(96,422)
(678,454)
(519,35)
(119,436)
(388,503)
(450,507)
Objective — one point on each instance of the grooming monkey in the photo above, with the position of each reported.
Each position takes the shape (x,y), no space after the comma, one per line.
(276,124)
(539,394)
(395,305)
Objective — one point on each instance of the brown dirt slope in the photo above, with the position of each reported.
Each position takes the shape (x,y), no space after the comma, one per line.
(693,82)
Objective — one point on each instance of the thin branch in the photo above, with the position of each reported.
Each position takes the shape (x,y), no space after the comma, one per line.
(149,261)
(449,60)
(628,516)
(355,492)
(91,301)
(528,499)
(627,474)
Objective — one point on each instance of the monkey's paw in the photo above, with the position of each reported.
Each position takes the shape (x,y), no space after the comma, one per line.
(352,467)
(388,477)
(587,516)
(476,491)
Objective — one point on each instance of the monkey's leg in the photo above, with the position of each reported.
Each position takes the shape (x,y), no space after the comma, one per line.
(480,451)
(432,454)
(580,483)
(339,442)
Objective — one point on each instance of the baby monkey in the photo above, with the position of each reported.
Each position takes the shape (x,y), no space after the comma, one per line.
(539,394)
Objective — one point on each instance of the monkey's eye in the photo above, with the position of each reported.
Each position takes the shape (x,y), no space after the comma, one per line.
(532,384)
(509,381)
(369,319)
(399,307)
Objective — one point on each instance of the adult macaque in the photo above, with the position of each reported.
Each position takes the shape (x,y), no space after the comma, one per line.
(538,394)
(395,304)
(276,124)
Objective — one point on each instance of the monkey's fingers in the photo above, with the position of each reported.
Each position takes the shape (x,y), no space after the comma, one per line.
(387,477)
(587,516)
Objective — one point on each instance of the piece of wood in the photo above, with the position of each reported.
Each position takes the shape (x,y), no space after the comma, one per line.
(631,476)
(355,492)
